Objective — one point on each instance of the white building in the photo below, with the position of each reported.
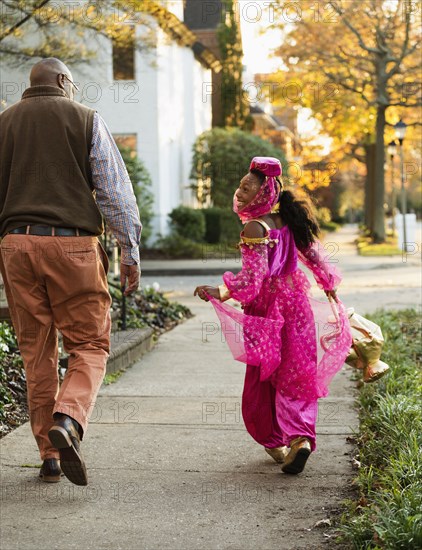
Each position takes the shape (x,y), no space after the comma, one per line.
(152,102)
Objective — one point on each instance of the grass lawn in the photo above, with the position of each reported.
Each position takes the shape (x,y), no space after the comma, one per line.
(388,512)
(388,248)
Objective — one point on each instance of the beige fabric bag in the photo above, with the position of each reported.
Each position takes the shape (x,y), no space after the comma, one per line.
(367,342)
(366,347)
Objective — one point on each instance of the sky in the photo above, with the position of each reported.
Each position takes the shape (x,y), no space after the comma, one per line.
(258,48)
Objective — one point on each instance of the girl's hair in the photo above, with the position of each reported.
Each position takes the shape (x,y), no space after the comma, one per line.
(297,214)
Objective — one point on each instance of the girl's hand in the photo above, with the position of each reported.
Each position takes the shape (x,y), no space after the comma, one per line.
(332,293)
(203,290)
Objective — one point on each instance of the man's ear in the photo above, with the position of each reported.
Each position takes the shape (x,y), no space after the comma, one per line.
(60,81)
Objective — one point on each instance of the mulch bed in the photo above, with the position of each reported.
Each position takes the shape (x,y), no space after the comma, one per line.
(14,407)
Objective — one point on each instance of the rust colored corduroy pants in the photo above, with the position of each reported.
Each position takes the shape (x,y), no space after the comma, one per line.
(58,283)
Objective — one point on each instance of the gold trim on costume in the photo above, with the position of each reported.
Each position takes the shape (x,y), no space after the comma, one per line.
(250,242)
(224,292)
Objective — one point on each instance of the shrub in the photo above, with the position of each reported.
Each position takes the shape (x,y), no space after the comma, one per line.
(221,157)
(176,246)
(221,225)
(188,223)
(323,216)
(150,308)
(12,381)
(141,183)
(212,225)
(330,226)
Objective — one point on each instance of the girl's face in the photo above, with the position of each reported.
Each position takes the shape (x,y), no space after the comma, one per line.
(248,188)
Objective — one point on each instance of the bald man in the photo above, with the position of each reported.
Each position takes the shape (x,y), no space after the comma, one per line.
(52,72)
(61,173)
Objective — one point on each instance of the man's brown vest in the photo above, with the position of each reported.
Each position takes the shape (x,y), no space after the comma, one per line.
(45,175)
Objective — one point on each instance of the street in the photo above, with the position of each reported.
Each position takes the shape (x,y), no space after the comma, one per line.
(368,282)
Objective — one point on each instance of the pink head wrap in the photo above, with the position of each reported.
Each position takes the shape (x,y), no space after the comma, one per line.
(267,196)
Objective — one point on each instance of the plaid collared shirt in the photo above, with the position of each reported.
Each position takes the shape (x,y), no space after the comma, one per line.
(114,192)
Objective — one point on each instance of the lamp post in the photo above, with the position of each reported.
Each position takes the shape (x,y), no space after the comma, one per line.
(392,151)
(400,129)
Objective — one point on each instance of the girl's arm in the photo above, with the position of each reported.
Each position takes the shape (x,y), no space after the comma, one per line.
(327,276)
(245,286)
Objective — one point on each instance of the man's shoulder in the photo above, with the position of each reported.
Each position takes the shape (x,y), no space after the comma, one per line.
(71,105)
(80,107)
(72,111)
(10,110)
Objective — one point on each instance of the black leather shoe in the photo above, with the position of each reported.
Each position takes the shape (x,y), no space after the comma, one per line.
(65,437)
(50,471)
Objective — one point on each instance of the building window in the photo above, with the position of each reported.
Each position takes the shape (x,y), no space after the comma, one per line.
(124,55)
(127,141)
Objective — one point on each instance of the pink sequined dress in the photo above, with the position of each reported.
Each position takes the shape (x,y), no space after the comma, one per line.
(292,343)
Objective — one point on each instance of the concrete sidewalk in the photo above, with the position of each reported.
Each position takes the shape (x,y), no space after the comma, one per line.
(171,465)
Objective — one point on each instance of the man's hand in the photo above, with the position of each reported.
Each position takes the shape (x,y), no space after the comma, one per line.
(203,290)
(129,275)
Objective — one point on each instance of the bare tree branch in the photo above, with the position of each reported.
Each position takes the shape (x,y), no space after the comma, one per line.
(358,59)
(374,12)
(12,29)
(350,55)
(353,148)
(343,84)
(346,22)
(392,20)
(404,51)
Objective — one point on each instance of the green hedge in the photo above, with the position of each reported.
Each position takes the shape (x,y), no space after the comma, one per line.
(325,222)
(176,246)
(221,225)
(187,222)
(221,157)
(194,231)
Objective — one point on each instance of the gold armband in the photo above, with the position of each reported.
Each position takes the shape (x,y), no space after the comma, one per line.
(251,242)
(224,292)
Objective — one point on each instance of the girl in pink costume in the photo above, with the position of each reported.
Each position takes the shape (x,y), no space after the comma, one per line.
(292,343)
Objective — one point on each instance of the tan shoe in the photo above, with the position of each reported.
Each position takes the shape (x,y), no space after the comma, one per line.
(300,449)
(278,453)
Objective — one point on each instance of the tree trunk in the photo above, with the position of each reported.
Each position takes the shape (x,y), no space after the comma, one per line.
(370,186)
(379,214)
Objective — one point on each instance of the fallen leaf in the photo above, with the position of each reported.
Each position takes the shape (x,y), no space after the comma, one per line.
(323,523)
